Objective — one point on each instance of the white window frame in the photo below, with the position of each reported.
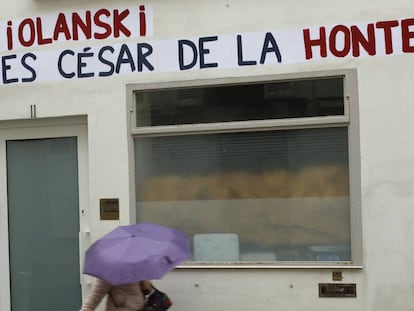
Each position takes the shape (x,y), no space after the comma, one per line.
(350,119)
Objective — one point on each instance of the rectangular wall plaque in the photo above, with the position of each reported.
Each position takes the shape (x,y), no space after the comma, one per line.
(337,276)
(337,290)
(109,209)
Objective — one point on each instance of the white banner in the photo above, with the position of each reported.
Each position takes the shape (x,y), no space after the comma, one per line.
(381,38)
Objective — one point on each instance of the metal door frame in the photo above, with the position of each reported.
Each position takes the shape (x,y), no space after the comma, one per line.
(37,129)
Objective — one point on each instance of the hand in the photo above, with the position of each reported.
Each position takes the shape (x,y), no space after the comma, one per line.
(146,286)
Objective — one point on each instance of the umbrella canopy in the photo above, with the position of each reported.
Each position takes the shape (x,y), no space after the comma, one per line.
(136,252)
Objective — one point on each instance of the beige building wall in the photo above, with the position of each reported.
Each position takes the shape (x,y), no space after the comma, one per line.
(385,281)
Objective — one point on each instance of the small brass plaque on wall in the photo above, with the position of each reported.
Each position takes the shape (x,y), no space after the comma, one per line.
(337,290)
(109,209)
(337,276)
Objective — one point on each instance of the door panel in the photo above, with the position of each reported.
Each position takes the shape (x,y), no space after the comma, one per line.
(43,213)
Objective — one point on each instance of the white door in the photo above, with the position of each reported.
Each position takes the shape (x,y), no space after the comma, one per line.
(42,169)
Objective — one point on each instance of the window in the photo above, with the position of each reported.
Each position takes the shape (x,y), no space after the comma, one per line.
(255,172)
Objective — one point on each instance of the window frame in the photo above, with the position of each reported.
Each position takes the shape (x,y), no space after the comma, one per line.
(350,119)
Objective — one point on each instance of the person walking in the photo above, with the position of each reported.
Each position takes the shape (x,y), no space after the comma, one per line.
(124,297)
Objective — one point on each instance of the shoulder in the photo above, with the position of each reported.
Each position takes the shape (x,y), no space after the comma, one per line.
(102,286)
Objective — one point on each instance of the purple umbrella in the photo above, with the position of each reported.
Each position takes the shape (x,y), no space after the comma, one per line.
(136,252)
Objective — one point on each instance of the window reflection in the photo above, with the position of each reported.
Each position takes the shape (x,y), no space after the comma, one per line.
(275,100)
(284,194)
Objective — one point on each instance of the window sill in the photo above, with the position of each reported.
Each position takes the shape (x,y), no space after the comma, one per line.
(270,265)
